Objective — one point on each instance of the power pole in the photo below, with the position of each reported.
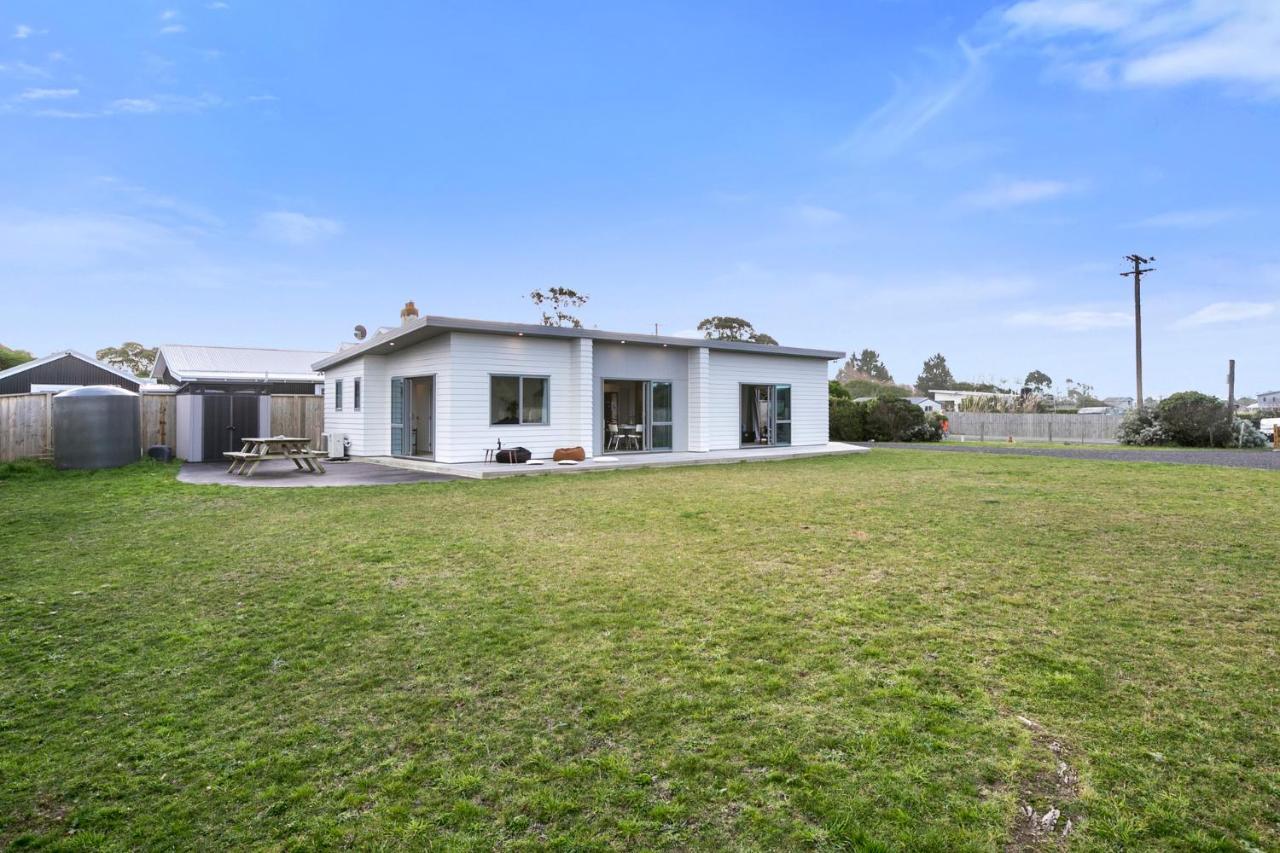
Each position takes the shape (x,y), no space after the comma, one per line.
(1231,389)
(1136,272)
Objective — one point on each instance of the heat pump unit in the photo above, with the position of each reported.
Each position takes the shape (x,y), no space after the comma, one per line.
(336,443)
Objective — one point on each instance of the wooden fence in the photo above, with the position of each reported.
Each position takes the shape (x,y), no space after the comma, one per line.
(26,422)
(298,415)
(1098,429)
(26,426)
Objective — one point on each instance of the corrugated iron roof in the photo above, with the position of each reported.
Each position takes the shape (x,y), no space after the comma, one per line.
(187,363)
(54,356)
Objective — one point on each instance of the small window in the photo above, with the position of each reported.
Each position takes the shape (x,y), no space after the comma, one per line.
(355,394)
(337,395)
(517,400)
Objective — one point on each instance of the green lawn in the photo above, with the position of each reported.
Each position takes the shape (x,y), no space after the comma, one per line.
(829,652)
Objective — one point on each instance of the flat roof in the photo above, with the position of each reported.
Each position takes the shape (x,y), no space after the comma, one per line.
(428,327)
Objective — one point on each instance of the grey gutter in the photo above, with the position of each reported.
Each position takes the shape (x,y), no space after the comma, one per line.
(428,327)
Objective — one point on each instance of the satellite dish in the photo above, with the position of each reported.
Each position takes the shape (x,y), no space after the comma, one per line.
(361,331)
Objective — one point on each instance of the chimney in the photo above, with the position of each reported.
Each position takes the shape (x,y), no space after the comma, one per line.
(407,313)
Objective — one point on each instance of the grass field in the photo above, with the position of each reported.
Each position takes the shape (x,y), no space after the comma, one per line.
(894,651)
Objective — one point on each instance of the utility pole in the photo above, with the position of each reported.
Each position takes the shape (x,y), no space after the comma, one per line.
(1136,272)
(1231,389)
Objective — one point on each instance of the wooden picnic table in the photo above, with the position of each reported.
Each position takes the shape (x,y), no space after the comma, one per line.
(264,448)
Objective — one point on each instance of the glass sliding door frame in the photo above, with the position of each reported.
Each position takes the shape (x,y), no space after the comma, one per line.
(403,417)
(657,417)
(779,413)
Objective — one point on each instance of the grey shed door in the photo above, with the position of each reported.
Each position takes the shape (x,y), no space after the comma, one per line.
(228,419)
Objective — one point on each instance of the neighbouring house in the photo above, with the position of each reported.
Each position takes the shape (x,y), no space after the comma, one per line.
(62,371)
(1269,400)
(924,403)
(1118,405)
(451,389)
(950,400)
(224,393)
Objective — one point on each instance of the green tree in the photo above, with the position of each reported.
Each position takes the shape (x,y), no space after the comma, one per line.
(837,391)
(131,356)
(559,302)
(733,329)
(13,357)
(1038,381)
(935,375)
(1193,419)
(864,365)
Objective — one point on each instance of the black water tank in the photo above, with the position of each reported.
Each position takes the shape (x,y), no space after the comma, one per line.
(98,426)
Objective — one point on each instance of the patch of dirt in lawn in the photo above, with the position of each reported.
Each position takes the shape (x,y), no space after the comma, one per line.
(1048,811)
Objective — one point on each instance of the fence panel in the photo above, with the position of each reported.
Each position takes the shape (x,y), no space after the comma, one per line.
(1098,429)
(26,426)
(158,427)
(298,414)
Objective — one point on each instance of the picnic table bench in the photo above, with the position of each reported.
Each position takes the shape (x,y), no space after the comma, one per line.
(265,448)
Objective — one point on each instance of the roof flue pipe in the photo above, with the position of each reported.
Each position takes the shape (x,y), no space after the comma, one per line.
(408,313)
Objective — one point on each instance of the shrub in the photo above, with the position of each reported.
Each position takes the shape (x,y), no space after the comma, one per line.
(892,418)
(1193,419)
(1249,436)
(848,420)
(1142,428)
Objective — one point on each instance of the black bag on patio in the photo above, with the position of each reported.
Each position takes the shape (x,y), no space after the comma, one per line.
(514,455)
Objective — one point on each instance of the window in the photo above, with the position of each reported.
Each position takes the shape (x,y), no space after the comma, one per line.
(337,395)
(517,400)
(355,394)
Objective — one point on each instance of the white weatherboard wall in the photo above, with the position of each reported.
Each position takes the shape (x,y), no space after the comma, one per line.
(641,361)
(806,376)
(433,357)
(476,357)
(699,364)
(348,421)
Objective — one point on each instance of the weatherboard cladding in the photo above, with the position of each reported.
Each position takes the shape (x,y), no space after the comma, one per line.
(66,369)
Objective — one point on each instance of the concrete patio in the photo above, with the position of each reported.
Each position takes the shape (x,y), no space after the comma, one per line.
(283,474)
(490,470)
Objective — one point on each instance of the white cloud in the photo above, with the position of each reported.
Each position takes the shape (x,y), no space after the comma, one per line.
(1226,312)
(24,31)
(134,105)
(1078,320)
(169,15)
(1158,42)
(172,29)
(815,216)
(911,109)
(47,94)
(297,229)
(1188,218)
(218,6)
(1017,192)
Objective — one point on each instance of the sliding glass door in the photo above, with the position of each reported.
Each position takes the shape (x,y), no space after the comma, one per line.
(764,415)
(639,415)
(660,416)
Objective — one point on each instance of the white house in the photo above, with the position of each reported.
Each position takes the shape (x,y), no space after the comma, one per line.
(450,389)
(924,403)
(1269,400)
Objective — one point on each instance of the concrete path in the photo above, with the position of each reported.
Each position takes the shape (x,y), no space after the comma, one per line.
(283,474)
(1260,459)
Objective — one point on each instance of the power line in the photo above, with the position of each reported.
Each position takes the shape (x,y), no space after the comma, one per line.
(1136,272)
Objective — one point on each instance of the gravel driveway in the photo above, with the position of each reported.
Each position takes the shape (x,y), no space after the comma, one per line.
(1262,459)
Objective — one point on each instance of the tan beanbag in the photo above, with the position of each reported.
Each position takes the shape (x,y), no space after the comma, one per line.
(573,454)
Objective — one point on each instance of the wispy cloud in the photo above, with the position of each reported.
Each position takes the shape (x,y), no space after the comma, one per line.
(172,26)
(1226,312)
(1158,42)
(142,198)
(26,31)
(1071,320)
(20,69)
(1012,193)
(815,216)
(911,109)
(218,6)
(296,229)
(1206,218)
(172,29)
(47,94)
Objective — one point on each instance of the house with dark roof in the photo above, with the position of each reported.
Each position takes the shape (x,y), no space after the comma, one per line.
(62,371)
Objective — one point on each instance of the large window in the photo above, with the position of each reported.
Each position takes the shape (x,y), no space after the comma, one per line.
(337,395)
(518,400)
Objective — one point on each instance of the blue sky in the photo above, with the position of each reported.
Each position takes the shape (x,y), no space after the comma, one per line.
(912,176)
